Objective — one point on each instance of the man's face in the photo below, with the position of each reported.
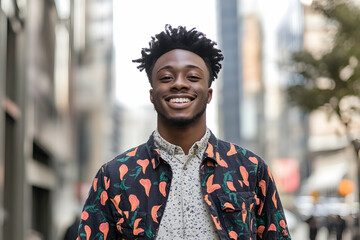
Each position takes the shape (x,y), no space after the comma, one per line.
(180,93)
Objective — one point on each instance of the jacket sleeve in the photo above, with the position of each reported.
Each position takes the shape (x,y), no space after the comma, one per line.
(270,216)
(97,218)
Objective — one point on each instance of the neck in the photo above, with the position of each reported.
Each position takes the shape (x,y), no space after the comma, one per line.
(184,136)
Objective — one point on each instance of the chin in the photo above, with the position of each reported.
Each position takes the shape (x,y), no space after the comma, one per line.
(181,121)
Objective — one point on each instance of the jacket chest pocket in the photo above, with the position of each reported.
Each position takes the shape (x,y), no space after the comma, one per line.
(238,214)
(132,225)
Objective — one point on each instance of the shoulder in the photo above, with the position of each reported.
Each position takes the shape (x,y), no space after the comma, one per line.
(236,154)
(127,158)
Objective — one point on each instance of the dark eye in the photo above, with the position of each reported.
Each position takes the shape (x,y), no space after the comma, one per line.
(165,78)
(193,78)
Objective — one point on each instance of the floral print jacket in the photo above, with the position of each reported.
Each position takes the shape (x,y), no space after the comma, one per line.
(129,194)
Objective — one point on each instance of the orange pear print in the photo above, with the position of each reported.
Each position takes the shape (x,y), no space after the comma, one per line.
(137,230)
(262,185)
(146,183)
(87,231)
(210,150)
(143,163)
(245,175)
(210,186)
(123,169)
(103,197)
(104,228)
(232,150)
(220,161)
(134,202)
(154,211)
(107,182)
(233,235)
(132,153)
(95,184)
(162,187)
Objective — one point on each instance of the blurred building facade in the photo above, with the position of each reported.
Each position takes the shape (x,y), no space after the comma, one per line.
(303,150)
(231,87)
(57,111)
(311,154)
(37,126)
(93,82)
(266,34)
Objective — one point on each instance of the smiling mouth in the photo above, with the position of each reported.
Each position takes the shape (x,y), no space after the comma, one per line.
(180,100)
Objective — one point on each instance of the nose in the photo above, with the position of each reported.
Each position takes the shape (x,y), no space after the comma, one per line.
(180,82)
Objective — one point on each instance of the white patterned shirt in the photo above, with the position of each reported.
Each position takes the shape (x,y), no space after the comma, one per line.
(186,215)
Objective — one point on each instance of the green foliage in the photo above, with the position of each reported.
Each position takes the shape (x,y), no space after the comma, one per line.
(333,79)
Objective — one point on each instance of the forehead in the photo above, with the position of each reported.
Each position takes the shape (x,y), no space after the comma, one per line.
(179,58)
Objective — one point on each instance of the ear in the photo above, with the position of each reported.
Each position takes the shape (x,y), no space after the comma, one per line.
(210,92)
(151,95)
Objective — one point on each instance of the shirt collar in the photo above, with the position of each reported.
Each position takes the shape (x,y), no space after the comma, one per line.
(210,151)
(171,149)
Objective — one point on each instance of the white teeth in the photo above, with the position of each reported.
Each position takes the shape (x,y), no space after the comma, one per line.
(179,100)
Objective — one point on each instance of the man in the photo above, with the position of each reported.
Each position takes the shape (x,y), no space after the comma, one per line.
(184,183)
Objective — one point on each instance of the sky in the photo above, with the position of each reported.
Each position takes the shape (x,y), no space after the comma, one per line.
(135,22)
(133,28)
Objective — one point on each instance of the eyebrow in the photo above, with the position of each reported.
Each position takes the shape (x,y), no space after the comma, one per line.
(187,66)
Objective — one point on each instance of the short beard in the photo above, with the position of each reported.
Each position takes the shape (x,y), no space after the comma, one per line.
(180,122)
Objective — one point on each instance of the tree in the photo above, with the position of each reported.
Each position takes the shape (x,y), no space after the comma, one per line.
(332,81)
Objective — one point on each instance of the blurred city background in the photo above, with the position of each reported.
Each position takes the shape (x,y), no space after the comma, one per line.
(71,99)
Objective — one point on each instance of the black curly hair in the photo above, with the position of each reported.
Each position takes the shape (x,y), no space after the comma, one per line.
(180,38)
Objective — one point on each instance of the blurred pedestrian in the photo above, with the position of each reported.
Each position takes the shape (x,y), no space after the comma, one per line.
(340,227)
(184,183)
(355,227)
(313,227)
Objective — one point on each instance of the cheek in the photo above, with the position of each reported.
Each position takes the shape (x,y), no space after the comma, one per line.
(154,96)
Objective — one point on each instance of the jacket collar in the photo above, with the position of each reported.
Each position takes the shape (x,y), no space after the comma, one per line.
(211,151)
